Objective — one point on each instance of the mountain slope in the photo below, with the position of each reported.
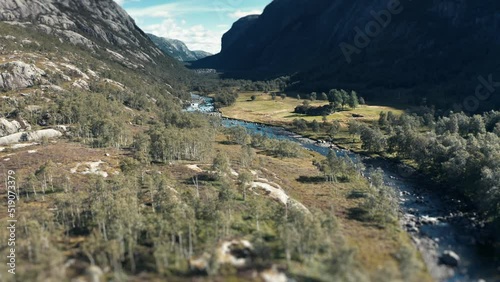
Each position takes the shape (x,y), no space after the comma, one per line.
(96,25)
(426,46)
(177,49)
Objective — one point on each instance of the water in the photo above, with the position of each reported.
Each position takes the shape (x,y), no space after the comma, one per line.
(200,104)
(441,231)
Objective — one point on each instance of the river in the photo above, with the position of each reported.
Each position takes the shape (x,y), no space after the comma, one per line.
(435,224)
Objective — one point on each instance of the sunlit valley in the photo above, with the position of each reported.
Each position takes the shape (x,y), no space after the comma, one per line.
(325,141)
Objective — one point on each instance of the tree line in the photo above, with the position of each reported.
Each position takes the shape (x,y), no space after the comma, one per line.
(458,151)
(338,100)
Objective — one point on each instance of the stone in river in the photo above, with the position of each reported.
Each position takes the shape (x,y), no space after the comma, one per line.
(449,258)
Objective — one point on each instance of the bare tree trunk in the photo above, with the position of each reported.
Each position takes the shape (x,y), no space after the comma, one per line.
(195,182)
(190,242)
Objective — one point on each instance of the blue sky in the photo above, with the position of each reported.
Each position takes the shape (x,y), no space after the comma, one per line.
(199,23)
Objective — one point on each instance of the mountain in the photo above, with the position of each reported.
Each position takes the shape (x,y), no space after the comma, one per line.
(99,26)
(412,47)
(57,48)
(177,49)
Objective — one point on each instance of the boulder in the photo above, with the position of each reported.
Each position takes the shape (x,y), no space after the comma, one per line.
(9,127)
(82,84)
(237,253)
(449,258)
(273,275)
(31,136)
(94,273)
(19,75)
(199,264)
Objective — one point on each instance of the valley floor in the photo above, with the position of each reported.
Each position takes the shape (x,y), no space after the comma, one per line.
(382,254)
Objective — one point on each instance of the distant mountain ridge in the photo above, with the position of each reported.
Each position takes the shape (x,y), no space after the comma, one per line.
(177,49)
(426,47)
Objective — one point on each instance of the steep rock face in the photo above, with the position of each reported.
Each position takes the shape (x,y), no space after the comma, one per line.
(91,23)
(177,49)
(429,44)
(19,75)
(237,30)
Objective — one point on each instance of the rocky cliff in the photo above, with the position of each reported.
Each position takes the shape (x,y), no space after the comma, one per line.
(425,45)
(100,29)
(90,23)
(237,30)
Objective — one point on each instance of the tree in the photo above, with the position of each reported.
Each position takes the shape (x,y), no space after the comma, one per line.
(496,130)
(253,97)
(362,101)
(344,98)
(315,126)
(334,166)
(324,97)
(300,124)
(285,149)
(355,127)
(377,178)
(283,96)
(333,129)
(247,156)
(244,179)
(142,146)
(477,125)
(373,139)
(391,118)
(273,96)
(353,100)
(237,135)
(313,96)
(382,120)
(338,100)
(221,165)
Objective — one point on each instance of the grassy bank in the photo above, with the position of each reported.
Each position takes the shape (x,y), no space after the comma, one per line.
(280,112)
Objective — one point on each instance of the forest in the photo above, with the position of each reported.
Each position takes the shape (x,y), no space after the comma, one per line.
(137,189)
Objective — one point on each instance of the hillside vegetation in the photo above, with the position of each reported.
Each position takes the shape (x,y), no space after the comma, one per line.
(135,189)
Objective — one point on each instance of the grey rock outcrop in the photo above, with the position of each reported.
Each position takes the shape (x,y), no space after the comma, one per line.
(9,127)
(19,75)
(29,136)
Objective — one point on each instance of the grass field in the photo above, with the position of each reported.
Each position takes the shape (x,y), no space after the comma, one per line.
(280,112)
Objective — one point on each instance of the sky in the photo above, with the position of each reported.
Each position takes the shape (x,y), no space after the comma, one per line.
(198,23)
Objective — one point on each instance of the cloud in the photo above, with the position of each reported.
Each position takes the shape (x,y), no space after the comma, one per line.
(196,37)
(176,9)
(121,2)
(240,13)
(175,20)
